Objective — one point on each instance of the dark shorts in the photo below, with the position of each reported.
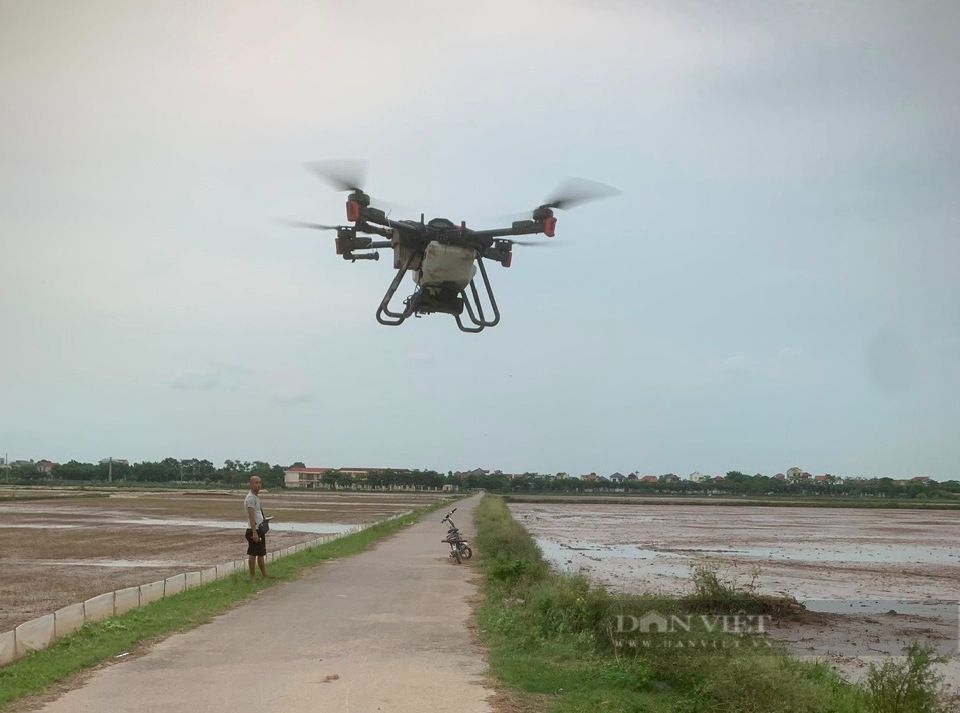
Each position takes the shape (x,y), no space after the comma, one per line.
(256,549)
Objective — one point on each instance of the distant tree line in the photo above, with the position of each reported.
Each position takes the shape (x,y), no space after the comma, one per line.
(168,470)
(737,483)
(235,473)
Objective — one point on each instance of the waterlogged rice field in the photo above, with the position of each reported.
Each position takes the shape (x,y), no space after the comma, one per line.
(871,579)
(66,546)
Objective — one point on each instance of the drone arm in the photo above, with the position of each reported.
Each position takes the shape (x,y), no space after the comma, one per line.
(522,227)
(371,217)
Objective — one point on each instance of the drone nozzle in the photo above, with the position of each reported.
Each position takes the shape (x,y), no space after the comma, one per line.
(362,256)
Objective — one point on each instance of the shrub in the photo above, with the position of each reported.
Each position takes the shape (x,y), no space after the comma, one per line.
(910,686)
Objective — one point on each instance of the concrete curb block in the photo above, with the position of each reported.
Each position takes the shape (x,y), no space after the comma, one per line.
(208,575)
(66,620)
(193,580)
(174,585)
(98,608)
(126,599)
(34,635)
(8,647)
(152,592)
(224,570)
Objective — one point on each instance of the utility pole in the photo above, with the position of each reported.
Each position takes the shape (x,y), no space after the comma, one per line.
(110,470)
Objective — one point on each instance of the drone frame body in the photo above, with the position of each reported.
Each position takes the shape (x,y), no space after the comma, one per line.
(409,241)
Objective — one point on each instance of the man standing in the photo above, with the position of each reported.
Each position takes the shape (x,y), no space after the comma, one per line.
(256,540)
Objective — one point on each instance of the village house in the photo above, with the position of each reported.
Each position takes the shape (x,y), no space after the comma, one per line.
(298,477)
(45,466)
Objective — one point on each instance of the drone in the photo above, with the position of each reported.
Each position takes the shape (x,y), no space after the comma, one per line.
(443,257)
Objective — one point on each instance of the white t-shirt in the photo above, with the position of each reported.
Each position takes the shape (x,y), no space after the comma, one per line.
(253,501)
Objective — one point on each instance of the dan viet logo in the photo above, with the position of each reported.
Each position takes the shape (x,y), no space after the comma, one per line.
(691,631)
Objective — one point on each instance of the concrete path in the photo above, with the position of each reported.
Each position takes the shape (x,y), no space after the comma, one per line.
(390,623)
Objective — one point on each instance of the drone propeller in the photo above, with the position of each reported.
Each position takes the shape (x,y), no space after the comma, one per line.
(569,193)
(348,175)
(534,243)
(343,175)
(303,224)
(575,191)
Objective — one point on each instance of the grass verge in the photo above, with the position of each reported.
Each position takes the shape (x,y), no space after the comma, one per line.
(555,638)
(96,643)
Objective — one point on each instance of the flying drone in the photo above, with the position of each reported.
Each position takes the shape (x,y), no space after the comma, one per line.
(443,257)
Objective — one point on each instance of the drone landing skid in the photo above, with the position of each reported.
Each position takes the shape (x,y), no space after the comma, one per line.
(478,318)
(430,299)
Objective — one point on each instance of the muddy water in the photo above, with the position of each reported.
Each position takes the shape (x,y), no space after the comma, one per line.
(872,580)
(806,552)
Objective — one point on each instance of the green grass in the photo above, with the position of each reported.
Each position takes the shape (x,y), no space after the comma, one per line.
(551,638)
(95,643)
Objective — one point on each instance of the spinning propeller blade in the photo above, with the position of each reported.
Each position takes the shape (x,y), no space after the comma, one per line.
(303,224)
(575,191)
(343,175)
(570,193)
(348,175)
(535,243)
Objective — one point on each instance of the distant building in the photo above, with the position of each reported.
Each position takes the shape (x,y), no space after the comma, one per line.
(649,479)
(45,466)
(618,477)
(304,477)
(922,479)
(698,477)
(670,478)
(794,473)
(779,476)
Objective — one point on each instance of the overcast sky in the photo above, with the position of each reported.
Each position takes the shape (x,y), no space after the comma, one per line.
(777,285)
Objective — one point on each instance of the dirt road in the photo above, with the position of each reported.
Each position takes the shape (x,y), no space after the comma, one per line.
(385,630)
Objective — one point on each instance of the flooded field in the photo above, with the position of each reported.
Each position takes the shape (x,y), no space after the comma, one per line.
(861,573)
(57,548)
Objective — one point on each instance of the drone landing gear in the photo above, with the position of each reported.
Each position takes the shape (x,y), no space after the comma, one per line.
(477,316)
(395,318)
(429,300)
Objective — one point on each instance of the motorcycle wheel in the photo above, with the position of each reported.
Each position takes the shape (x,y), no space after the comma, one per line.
(456,555)
(465,552)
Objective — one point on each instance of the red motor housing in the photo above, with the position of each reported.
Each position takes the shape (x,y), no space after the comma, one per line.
(549,226)
(353,211)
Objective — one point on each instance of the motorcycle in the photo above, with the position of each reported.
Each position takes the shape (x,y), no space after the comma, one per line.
(459,547)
